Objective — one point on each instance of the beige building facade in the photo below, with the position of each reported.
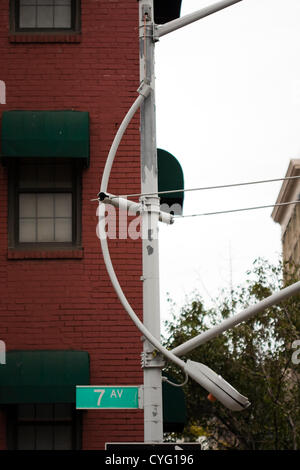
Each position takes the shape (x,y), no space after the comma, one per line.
(288,216)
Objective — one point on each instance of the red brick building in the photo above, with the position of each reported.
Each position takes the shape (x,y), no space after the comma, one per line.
(71,71)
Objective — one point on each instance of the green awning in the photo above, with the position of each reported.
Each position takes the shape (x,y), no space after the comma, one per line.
(45,134)
(51,377)
(43,376)
(174,408)
(170,177)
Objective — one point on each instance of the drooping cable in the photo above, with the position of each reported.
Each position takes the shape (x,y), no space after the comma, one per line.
(165,379)
(205,188)
(236,210)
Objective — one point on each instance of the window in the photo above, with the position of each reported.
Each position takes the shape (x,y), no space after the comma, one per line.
(45,15)
(44,203)
(44,427)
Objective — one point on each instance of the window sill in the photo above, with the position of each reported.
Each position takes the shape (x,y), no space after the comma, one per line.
(14,254)
(44,37)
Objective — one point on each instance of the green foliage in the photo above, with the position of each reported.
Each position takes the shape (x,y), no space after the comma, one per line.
(255,357)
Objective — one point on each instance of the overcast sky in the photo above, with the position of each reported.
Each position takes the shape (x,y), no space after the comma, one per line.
(228,108)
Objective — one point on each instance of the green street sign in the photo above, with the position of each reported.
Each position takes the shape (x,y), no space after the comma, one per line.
(100,397)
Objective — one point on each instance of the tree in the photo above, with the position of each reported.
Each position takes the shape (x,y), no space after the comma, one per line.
(255,357)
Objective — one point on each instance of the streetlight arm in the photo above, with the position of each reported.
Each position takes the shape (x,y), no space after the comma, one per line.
(171,26)
(236,319)
(131,206)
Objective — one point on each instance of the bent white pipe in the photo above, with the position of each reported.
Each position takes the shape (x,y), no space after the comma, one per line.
(123,299)
(145,91)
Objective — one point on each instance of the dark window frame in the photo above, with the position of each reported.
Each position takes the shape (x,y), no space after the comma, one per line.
(13,204)
(75,20)
(13,421)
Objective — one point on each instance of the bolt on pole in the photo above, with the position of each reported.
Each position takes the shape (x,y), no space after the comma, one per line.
(153,414)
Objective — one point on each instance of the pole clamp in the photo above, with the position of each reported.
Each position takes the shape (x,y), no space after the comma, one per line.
(152,359)
(144,89)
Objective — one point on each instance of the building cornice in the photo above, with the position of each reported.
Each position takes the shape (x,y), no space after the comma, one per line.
(287,192)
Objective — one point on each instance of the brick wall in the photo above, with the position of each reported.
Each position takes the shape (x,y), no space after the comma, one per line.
(68,302)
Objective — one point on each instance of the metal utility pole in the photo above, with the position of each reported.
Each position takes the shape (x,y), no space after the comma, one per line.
(148,33)
(153,414)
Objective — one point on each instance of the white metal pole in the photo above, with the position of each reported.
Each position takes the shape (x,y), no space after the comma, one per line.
(153,414)
(171,26)
(236,319)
